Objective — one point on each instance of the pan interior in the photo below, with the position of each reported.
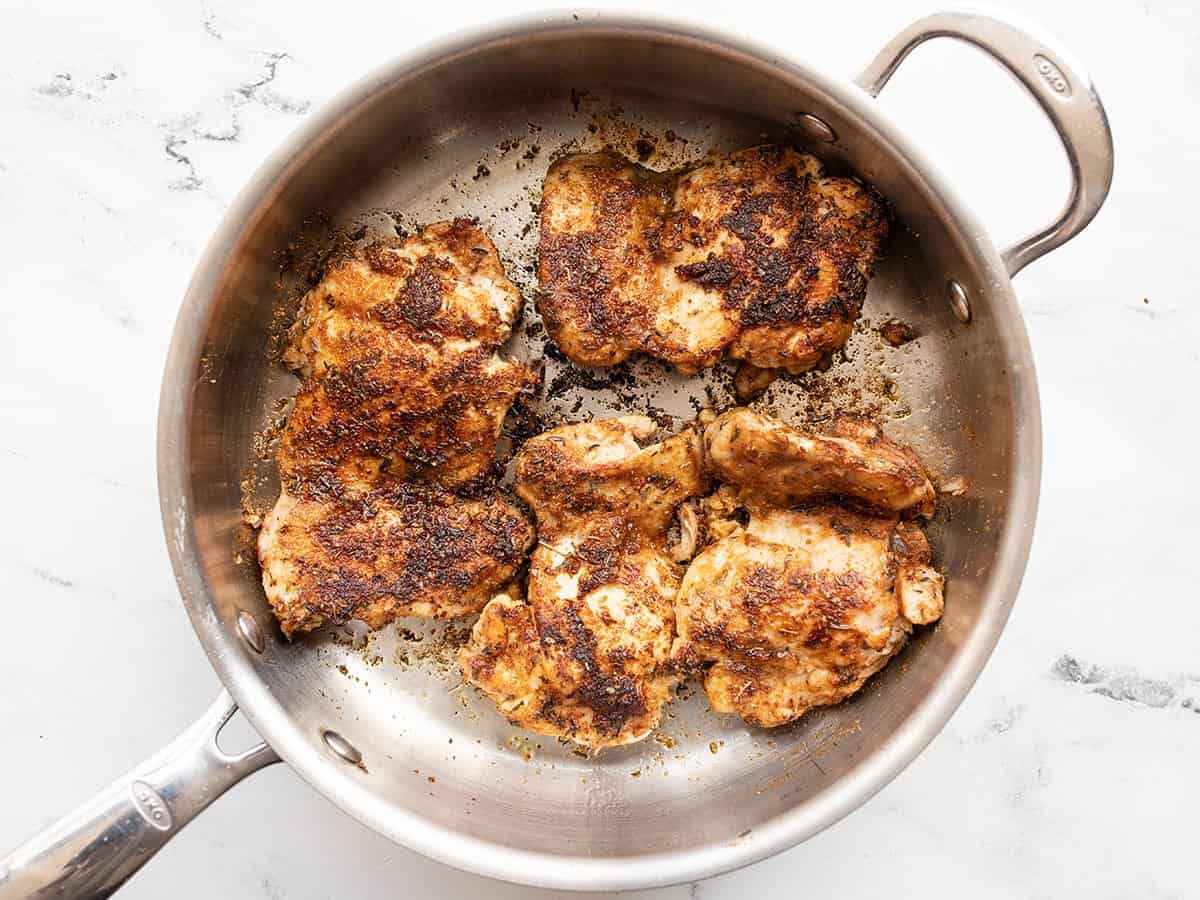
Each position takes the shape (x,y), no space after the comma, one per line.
(472,134)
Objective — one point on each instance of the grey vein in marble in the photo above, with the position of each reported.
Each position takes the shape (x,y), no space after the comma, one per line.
(180,133)
(209,20)
(57,580)
(1151,312)
(260,92)
(59,87)
(1001,723)
(104,206)
(1128,685)
(64,85)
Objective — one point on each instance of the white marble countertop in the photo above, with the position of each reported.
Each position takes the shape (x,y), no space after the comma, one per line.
(1072,768)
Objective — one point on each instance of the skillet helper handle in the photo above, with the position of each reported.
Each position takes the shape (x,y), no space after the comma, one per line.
(1061,88)
(92,851)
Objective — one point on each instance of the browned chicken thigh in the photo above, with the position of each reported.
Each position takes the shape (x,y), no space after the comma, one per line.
(397,347)
(403,550)
(585,656)
(786,466)
(598,252)
(758,256)
(801,605)
(387,462)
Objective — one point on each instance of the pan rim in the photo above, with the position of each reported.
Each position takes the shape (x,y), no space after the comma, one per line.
(496,860)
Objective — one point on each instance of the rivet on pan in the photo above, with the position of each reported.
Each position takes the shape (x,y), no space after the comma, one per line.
(341,747)
(958,301)
(248,628)
(815,128)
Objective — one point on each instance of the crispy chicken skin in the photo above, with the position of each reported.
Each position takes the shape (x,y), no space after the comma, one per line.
(585,656)
(388,459)
(756,255)
(407,550)
(801,605)
(788,466)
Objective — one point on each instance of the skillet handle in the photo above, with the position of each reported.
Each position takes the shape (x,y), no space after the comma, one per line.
(92,851)
(1062,89)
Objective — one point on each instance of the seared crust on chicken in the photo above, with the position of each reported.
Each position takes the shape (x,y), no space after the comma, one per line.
(787,466)
(585,656)
(438,421)
(408,550)
(756,255)
(397,349)
(593,470)
(800,606)
(801,248)
(598,265)
(401,401)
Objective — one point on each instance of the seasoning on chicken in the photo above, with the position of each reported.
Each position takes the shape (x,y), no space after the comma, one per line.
(387,463)
(404,550)
(798,607)
(586,655)
(757,256)
(397,350)
(598,256)
(786,466)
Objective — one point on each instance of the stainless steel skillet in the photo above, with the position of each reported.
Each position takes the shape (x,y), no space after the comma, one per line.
(466,127)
